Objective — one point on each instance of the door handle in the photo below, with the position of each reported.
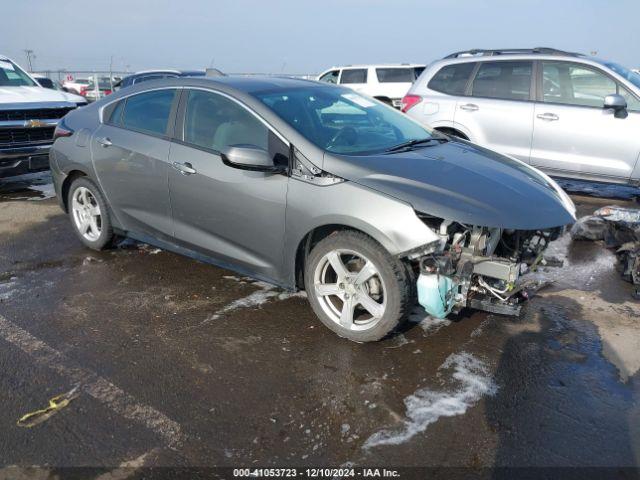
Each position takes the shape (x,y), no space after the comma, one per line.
(469,107)
(184,168)
(105,142)
(549,117)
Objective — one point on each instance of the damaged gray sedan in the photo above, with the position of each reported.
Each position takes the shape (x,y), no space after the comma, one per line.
(308,186)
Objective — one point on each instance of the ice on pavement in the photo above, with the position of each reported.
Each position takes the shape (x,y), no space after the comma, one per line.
(426,406)
(264,293)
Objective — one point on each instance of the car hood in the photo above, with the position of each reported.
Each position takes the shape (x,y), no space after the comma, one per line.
(35,95)
(462,182)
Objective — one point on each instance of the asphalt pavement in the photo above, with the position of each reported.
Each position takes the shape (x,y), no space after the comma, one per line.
(181,364)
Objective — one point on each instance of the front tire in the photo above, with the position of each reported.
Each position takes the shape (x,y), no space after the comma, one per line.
(89,214)
(356,287)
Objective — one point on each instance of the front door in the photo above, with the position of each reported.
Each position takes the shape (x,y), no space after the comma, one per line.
(236,216)
(573,135)
(499,108)
(131,153)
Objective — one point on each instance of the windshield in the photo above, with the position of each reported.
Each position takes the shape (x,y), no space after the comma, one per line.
(341,121)
(624,72)
(12,75)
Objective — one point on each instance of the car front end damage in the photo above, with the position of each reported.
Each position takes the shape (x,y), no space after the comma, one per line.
(477,267)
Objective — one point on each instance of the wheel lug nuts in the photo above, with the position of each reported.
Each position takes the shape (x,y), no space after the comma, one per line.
(341,286)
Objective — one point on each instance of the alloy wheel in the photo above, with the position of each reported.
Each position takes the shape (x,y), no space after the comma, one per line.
(86,214)
(350,289)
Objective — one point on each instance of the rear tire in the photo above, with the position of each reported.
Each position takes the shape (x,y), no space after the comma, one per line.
(89,214)
(356,287)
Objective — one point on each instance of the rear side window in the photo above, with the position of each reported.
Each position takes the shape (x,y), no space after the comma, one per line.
(148,112)
(113,113)
(395,75)
(452,79)
(330,77)
(354,75)
(503,80)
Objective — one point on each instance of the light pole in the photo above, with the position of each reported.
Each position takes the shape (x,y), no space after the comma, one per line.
(30,55)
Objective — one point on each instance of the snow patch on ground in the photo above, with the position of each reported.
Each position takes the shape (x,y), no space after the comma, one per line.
(265,292)
(8,289)
(45,191)
(426,406)
(428,323)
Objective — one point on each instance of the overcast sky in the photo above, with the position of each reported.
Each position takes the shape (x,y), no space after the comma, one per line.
(299,36)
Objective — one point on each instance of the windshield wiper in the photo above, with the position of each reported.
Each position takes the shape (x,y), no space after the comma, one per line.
(412,143)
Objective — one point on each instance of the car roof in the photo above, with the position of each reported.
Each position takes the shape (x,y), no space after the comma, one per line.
(249,84)
(380,65)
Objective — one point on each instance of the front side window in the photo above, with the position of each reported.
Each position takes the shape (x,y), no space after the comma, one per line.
(452,79)
(11,75)
(215,122)
(632,102)
(354,75)
(342,121)
(574,84)
(330,77)
(395,75)
(148,112)
(503,80)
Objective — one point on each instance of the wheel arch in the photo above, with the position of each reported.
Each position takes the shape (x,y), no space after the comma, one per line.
(66,184)
(384,98)
(453,132)
(313,236)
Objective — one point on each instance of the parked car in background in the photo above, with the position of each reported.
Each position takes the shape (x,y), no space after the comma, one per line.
(46,82)
(147,75)
(96,90)
(28,116)
(387,83)
(308,186)
(76,85)
(568,114)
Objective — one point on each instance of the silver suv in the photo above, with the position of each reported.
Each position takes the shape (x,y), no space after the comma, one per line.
(565,113)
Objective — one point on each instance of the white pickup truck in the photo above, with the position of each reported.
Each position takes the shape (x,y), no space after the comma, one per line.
(387,83)
(29,114)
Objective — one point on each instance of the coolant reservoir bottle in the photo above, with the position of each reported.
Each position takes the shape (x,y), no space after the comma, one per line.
(435,294)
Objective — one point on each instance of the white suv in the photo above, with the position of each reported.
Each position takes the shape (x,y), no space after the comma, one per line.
(387,83)
(565,113)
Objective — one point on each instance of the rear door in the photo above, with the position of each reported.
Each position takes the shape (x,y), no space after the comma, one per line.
(444,89)
(498,108)
(236,216)
(130,153)
(573,135)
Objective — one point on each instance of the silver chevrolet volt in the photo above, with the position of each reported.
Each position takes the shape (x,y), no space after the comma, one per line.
(308,186)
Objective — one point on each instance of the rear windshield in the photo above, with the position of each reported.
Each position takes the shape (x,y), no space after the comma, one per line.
(398,75)
(13,76)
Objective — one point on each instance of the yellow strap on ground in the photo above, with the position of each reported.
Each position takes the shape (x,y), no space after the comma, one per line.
(55,404)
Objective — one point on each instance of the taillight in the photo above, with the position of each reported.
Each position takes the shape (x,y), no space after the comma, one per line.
(107,92)
(62,130)
(410,101)
(83,91)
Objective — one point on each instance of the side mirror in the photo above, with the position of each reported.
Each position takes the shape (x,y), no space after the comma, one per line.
(249,157)
(617,103)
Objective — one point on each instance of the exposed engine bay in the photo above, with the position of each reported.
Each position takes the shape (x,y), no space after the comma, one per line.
(478,267)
